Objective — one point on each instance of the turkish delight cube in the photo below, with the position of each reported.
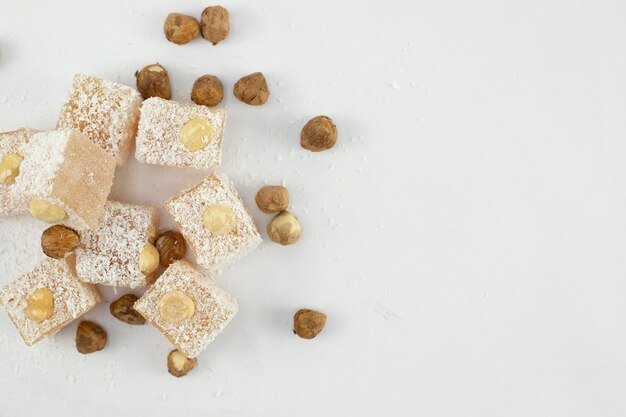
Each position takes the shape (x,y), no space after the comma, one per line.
(109,254)
(66,178)
(11,155)
(46,299)
(179,135)
(187,307)
(104,111)
(215,221)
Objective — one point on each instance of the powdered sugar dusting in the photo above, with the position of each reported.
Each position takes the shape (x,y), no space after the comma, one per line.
(214,308)
(109,254)
(11,200)
(105,111)
(213,251)
(158,135)
(72,299)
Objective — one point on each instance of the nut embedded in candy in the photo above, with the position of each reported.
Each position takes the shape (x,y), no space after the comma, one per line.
(46,211)
(10,168)
(40,305)
(175,306)
(196,134)
(153,81)
(178,364)
(148,259)
(219,219)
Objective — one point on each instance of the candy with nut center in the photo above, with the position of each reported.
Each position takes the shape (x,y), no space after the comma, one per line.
(11,157)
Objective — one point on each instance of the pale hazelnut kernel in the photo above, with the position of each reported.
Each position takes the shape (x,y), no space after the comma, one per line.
(40,305)
(10,168)
(153,81)
(180,28)
(175,306)
(46,211)
(219,219)
(148,259)
(284,228)
(178,364)
(196,134)
(272,198)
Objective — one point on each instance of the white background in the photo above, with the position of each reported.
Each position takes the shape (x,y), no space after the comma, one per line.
(466,236)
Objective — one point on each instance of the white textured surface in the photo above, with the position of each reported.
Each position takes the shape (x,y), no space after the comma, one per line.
(466,236)
(11,200)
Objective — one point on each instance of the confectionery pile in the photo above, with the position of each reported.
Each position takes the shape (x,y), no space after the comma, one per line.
(64,176)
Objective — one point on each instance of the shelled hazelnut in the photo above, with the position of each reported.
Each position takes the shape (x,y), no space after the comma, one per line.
(284,228)
(180,29)
(153,81)
(219,219)
(207,91)
(45,211)
(148,259)
(196,134)
(175,306)
(178,364)
(40,305)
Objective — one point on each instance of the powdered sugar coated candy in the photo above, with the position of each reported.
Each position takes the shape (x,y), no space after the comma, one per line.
(12,202)
(104,111)
(180,135)
(65,178)
(109,254)
(215,221)
(187,307)
(46,299)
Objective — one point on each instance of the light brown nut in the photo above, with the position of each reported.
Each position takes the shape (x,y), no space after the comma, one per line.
(319,134)
(176,306)
(40,305)
(59,242)
(252,89)
(171,246)
(308,323)
(284,228)
(148,259)
(90,337)
(123,310)
(10,168)
(196,134)
(215,24)
(153,81)
(272,198)
(180,28)
(207,91)
(45,211)
(178,364)
(219,219)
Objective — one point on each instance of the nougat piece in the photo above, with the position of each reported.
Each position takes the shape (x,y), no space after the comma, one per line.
(110,253)
(12,202)
(66,178)
(46,299)
(215,221)
(179,135)
(187,307)
(104,111)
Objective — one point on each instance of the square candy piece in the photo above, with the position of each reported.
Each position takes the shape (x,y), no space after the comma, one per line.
(214,220)
(187,307)
(66,178)
(104,111)
(11,155)
(179,135)
(110,253)
(46,299)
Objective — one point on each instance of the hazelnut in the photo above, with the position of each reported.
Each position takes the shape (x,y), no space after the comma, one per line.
(308,323)
(219,219)
(207,91)
(90,337)
(45,211)
(40,305)
(319,134)
(196,134)
(148,259)
(59,242)
(272,198)
(123,310)
(252,89)
(175,306)
(178,364)
(180,28)
(171,246)
(215,24)
(284,228)
(10,168)
(153,81)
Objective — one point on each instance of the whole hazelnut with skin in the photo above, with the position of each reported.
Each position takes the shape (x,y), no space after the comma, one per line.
(272,198)
(153,81)
(252,89)
(319,134)
(208,91)
(180,29)
(215,24)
